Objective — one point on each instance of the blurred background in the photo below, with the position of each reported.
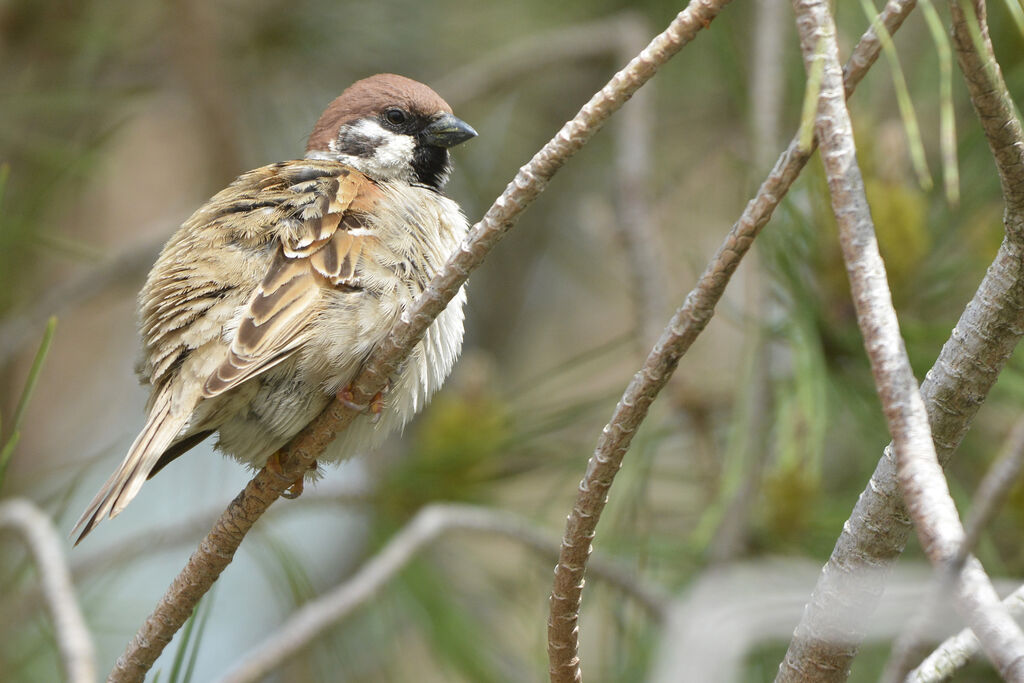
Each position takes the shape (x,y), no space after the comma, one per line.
(119,118)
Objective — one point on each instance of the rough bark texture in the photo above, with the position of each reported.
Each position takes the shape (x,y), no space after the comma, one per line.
(685,326)
(830,631)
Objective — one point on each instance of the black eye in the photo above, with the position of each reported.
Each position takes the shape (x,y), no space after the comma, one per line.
(395,116)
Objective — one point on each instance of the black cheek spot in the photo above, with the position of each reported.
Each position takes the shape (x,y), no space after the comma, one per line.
(356,144)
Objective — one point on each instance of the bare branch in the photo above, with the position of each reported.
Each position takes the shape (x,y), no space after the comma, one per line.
(989,329)
(621,36)
(634,219)
(428,525)
(511,63)
(181,532)
(764,309)
(993,490)
(957,650)
(992,103)
(77,654)
(729,610)
(688,322)
(920,475)
(767,78)
(991,493)
(217,549)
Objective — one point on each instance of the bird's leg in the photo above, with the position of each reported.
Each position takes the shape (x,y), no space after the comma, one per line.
(375,407)
(348,399)
(295,490)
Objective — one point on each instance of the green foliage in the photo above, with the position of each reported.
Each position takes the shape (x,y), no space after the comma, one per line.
(457,451)
(899,212)
(14,431)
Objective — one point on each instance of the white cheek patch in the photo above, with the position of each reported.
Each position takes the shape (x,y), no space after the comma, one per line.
(368,147)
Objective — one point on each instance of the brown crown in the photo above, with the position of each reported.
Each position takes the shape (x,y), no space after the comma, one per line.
(369,97)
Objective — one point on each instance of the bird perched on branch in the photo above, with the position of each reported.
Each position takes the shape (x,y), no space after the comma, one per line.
(265,304)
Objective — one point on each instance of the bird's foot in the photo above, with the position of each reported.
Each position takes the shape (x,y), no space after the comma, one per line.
(348,399)
(375,406)
(293,491)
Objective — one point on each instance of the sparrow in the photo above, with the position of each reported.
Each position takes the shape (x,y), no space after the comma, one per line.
(269,299)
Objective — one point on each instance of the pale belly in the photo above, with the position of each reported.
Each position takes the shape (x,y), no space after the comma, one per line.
(263,414)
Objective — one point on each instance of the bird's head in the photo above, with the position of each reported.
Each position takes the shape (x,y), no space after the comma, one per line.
(390,128)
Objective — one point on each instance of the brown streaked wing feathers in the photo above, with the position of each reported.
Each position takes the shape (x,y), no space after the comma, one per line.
(288,298)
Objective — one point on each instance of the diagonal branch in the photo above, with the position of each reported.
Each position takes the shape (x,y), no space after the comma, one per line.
(216,550)
(989,496)
(828,635)
(920,475)
(688,322)
(957,650)
(992,103)
(77,654)
(427,526)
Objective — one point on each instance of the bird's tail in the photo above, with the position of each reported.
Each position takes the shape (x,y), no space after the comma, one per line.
(158,434)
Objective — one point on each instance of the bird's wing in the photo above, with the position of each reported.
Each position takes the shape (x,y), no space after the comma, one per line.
(311,216)
(322,252)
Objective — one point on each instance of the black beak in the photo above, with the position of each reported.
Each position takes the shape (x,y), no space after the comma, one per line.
(447,131)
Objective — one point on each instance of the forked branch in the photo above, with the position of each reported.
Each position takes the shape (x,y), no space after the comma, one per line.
(830,632)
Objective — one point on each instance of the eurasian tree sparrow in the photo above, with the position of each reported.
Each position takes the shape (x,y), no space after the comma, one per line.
(268,300)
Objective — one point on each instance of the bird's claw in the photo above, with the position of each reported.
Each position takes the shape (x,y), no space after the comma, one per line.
(375,407)
(293,491)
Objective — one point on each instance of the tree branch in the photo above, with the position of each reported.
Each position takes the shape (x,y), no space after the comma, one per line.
(957,650)
(987,499)
(428,525)
(77,654)
(218,547)
(992,103)
(920,475)
(633,216)
(953,390)
(688,322)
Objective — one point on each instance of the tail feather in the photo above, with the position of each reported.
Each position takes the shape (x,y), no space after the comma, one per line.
(123,485)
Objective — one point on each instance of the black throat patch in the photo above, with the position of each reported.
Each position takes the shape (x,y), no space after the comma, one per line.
(431,165)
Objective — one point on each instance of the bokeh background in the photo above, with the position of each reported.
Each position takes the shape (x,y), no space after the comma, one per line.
(119,118)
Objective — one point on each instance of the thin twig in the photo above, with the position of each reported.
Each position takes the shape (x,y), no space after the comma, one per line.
(992,103)
(765,311)
(729,610)
(633,216)
(987,499)
(566,593)
(621,36)
(427,526)
(957,650)
(683,329)
(77,654)
(183,531)
(522,59)
(828,635)
(216,550)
